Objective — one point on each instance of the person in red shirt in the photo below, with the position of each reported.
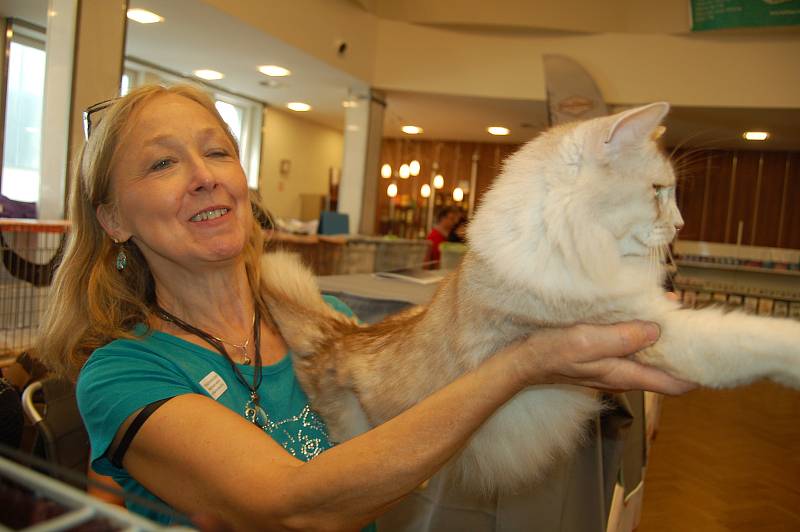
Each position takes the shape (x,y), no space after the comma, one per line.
(446,220)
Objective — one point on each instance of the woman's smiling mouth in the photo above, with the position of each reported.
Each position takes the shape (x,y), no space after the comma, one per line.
(209,214)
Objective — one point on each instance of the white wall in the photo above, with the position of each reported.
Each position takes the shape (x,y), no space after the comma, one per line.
(311,149)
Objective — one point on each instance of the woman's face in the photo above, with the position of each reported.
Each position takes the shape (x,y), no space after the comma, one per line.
(180,192)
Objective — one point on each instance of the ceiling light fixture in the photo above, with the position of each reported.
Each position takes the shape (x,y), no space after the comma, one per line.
(300,107)
(458,194)
(498,130)
(756,135)
(438,181)
(143,16)
(414,167)
(208,74)
(391,190)
(411,130)
(425,191)
(386,171)
(404,171)
(274,71)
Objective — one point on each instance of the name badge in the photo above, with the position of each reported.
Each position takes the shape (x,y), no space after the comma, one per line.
(214,385)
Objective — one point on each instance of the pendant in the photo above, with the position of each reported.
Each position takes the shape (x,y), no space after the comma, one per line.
(251,409)
(246,360)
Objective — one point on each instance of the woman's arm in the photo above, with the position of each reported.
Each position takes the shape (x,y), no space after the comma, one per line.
(200,457)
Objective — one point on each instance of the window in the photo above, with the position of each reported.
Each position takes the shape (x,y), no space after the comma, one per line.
(23,128)
(232,115)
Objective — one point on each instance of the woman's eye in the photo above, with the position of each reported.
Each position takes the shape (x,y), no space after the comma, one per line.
(161,164)
(218,153)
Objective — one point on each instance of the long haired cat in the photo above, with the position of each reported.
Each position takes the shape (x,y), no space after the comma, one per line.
(569,232)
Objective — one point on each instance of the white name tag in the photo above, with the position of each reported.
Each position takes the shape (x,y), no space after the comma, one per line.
(214,385)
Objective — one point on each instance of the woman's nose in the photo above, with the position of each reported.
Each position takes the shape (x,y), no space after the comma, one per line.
(202,177)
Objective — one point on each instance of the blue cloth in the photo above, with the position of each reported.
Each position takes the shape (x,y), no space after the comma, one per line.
(125,375)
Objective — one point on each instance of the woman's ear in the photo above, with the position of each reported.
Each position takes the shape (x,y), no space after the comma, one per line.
(108,217)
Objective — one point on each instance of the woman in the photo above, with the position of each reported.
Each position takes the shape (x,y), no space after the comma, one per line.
(164,240)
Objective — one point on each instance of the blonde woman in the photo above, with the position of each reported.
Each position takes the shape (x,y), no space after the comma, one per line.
(185,385)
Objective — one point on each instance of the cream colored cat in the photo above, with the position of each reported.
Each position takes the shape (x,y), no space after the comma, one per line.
(569,232)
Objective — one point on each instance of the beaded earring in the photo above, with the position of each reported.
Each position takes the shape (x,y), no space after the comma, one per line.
(122,258)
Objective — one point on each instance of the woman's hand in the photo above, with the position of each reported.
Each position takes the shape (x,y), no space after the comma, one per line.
(597,356)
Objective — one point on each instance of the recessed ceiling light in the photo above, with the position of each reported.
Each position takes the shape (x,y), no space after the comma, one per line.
(208,74)
(274,70)
(411,130)
(143,16)
(498,130)
(756,135)
(298,106)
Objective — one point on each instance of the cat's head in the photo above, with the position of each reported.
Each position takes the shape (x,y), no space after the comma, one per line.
(587,204)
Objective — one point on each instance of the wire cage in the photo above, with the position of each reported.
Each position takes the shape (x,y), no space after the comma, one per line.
(31,251)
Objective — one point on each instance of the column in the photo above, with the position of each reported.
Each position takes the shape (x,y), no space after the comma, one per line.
(85,56)
(362,143)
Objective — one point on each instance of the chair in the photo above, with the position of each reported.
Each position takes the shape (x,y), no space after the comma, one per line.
(61,437)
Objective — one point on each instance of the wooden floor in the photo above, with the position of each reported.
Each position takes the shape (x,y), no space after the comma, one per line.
(726,461)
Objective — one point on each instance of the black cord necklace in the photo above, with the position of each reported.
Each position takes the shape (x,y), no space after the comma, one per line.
(253,405)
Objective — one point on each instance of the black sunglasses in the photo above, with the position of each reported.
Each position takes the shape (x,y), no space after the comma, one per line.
(87,115)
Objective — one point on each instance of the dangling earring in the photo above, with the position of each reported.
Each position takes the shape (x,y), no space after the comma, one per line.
(122,258)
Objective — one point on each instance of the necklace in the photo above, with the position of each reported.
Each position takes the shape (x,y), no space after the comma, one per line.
(242,347)
(253,406)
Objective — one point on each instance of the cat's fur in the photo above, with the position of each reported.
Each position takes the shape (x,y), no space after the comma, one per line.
(569,232)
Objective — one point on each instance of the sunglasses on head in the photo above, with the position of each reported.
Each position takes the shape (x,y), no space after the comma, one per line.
(92,109)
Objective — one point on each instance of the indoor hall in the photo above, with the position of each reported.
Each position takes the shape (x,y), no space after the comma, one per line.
(464,183)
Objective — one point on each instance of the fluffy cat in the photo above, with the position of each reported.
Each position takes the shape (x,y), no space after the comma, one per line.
(571,231)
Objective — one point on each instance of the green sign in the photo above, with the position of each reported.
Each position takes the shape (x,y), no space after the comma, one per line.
(722,14)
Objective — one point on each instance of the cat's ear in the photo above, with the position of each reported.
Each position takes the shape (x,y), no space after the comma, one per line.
(634,125)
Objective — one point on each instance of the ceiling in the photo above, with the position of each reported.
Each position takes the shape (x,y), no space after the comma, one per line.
(182,44)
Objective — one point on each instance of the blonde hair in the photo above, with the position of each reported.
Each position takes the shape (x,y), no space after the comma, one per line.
(91,303)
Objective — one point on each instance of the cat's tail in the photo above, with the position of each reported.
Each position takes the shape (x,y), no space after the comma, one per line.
(293,298)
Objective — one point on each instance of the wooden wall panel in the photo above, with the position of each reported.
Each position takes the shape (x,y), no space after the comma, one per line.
(790,229)
(716,189)
(743,197)
(719,188)
(768,217)
(454,163)
(691,170)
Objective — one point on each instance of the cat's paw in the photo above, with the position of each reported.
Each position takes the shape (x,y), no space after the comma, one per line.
(652,356)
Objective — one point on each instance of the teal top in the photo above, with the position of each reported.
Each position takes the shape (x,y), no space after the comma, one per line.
(125,375)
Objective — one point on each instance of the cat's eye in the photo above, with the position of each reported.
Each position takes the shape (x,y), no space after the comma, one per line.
(659,190)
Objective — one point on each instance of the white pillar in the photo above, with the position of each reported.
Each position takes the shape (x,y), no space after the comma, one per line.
(85,52)
(362,137)
(61,23)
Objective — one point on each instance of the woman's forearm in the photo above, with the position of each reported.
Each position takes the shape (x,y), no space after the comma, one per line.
(405,451)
